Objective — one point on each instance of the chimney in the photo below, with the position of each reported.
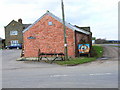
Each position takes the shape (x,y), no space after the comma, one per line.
(20,20)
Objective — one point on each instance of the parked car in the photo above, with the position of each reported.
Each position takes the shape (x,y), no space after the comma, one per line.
(17,46)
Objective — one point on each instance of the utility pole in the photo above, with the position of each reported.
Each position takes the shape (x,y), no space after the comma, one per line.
(65,36)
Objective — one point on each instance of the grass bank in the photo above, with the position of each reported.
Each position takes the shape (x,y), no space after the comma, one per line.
(96,52)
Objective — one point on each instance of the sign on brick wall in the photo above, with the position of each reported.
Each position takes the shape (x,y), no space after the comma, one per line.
(84,48)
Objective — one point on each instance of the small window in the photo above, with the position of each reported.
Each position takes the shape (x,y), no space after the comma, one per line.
(50,23)
(14,42)
(31,37)
(13,32)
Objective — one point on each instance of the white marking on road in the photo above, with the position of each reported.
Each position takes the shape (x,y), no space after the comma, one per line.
(70,67)
(100,74)
(108,73)
(58,75)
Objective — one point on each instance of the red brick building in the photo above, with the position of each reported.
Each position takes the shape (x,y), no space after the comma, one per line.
(47,34)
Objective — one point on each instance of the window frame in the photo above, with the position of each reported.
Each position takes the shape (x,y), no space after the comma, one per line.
(14,32)
(14,42)
(50,23)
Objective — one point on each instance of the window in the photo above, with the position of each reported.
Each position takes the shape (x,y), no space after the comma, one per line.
(14,42)
(50,23)
(31,37)
(13,32)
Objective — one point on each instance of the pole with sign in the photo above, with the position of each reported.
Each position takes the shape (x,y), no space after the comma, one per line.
(65,36)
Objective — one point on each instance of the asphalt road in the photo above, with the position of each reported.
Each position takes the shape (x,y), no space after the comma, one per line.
(97,74)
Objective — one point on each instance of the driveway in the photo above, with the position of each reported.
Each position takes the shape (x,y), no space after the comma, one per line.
(97,74)
(111,52)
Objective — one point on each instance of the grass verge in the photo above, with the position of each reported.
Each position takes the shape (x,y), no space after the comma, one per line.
(96,52)
(75,61)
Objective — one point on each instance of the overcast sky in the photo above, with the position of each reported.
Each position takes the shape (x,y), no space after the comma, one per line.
(100,15)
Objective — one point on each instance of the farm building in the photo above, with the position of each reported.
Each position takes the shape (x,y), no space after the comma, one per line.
(13,32)
(47,34)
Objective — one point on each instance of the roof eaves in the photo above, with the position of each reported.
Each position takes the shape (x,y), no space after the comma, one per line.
(60,20)
(81,30)
(33,23)
(11,22)
(68,25)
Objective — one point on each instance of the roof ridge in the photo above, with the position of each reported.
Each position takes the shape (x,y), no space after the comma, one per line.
(60,20)
(34,23)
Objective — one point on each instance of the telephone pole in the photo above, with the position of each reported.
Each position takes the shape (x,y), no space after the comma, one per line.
(65,36)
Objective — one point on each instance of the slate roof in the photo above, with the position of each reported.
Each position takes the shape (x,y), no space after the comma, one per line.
(11,22)
(26,25)
(84,28)
(60,20)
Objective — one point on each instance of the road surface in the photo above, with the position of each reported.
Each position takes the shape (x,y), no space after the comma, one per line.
(97,74)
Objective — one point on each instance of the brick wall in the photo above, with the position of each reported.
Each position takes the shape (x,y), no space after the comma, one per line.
(78,37)
(48,38)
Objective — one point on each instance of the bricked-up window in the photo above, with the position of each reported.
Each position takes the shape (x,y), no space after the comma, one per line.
(50,23)
(13,32)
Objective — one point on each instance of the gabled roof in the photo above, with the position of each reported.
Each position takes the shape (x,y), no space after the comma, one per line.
(24,25)
(60,20)
(11,22)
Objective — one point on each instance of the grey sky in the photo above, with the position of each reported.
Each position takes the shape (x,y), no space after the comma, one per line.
(100,15)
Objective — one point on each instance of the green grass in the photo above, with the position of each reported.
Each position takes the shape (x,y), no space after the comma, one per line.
(97,51)
(117,46)
(75,61)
